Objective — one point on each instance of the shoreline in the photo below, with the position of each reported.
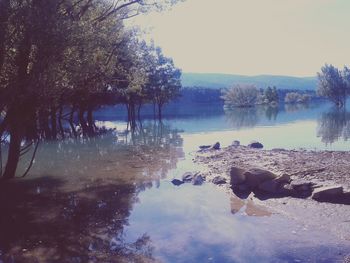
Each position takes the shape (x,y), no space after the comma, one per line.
(318,168)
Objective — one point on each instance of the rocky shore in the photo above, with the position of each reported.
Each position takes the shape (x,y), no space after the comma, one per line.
(312,187)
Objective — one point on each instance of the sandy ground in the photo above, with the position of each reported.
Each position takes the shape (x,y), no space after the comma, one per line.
(321,167)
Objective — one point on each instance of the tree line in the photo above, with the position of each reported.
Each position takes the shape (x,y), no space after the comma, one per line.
(61,59)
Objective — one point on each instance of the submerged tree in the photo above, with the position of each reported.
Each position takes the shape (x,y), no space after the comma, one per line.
(240,96)
(58,56)
(334,84)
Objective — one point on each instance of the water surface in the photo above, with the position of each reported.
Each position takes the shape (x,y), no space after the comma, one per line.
(110,198)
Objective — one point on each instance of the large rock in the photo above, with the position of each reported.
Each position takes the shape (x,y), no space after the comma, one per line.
(301,185)
(237,176)
(256,145)
(276,185)
(256,176)
(327,193)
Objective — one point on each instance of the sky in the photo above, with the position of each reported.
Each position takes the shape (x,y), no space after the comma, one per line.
(253,37)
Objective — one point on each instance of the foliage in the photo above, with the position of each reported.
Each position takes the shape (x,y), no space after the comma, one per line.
(58,58)
(334,84)
(240,96)
(271,95)
(295,97)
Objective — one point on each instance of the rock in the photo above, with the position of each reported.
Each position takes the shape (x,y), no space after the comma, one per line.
(187,177)
(256,145)
(284,179)
(270,186)
(216,146)
(219,180)
(177,182)
(203,147)
(275,185)
(237,176)
(327,192)
(301,185)
(236,143)
(256,176)
(198,180)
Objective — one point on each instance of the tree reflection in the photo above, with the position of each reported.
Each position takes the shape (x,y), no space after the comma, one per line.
(334,125)
(77,200)
(250,116)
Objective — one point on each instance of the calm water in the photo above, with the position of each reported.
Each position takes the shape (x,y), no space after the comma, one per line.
(110,199)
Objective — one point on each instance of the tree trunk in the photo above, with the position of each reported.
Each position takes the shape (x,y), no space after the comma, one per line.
(60,121)
(90,121)
(14,152)
(71,121)
(82,121)
(160,111)
(53,123)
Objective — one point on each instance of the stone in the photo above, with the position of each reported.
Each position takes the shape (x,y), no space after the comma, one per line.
(275,185)
(216,146)
(237,176)
(270,186)
(256,145)
(219,180)
(301,185)
(256,176)
(198,179)
(187,177)
(203,147)
(284,179)
(327,192)
(236,143)
(177,182)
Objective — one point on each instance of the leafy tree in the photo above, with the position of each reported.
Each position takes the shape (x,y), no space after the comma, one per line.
(332,84)
(240,96)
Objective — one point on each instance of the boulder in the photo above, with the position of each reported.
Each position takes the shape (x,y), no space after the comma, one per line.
(216,146)
(187,177)
(327,192)
(256,145)
(301,185)
(275,186)
(237,176)
(256,176)
(219,180)
(177,182)
(270,186)
(198,179)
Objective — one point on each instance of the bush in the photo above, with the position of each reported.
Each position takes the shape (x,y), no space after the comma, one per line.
(241,96)
(295,97)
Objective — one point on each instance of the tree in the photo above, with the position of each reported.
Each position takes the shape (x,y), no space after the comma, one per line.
(56,54)
(295,97)
(164,81)
(240,96)
(332,84)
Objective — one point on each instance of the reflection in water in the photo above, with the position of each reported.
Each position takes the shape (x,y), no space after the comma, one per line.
(75,203)
(294,107)
(248,117)
(334,125)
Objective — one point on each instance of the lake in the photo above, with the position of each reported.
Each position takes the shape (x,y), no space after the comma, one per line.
(110,198)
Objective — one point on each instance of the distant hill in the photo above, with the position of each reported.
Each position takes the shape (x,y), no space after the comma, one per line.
(217,81)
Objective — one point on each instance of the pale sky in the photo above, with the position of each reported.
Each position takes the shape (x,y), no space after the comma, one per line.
(253,37)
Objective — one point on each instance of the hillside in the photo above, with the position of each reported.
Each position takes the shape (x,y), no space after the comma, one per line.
(213,80)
